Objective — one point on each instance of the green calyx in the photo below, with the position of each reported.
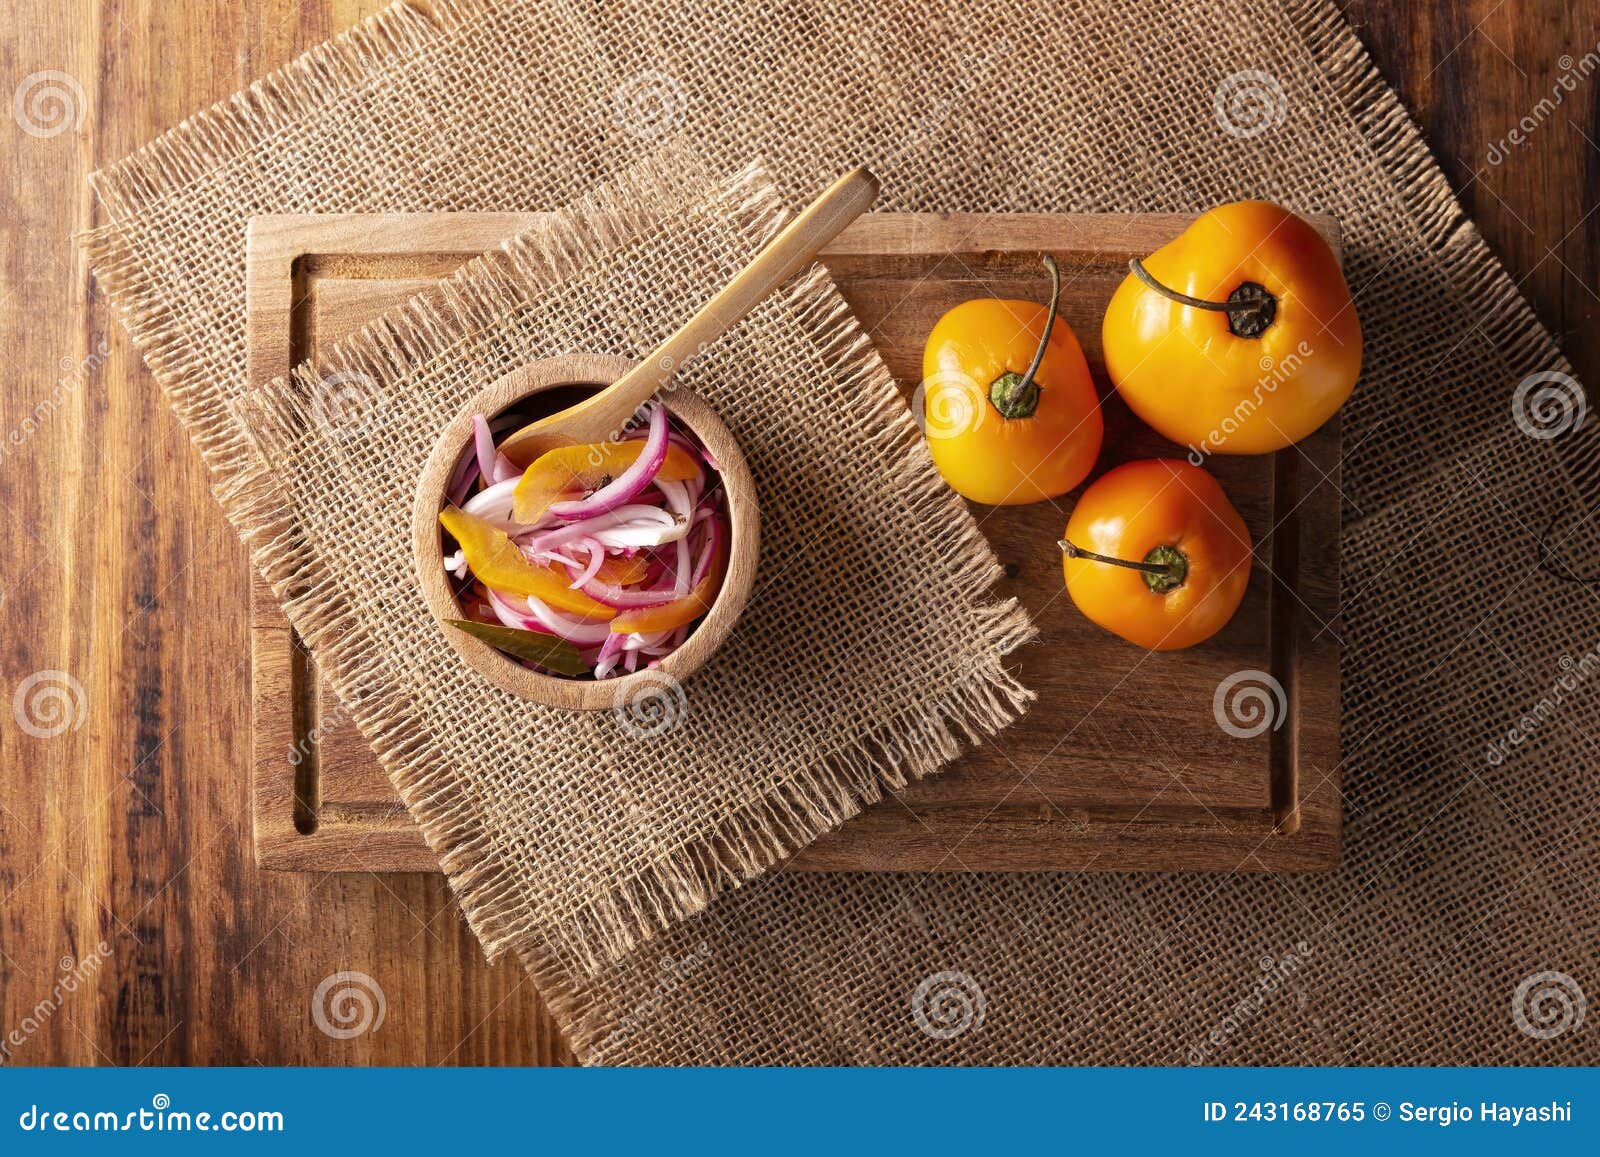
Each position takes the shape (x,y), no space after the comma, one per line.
(1014,395)
(1173,569)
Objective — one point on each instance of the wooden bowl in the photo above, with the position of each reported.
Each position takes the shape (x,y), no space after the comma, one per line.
(585,694)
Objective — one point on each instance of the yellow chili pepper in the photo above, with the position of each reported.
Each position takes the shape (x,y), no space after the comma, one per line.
(1010,411)
(497,563)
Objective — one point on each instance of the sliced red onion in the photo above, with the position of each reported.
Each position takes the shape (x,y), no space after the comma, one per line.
(511,617)
(625,527)
(462,478)
(610,654)
(638,512)
(597,556)
(483,439)
(681,571)
(493,503)
(573,630)
(645,641)
(625,598)
(677,497)
(552,556)
(642,534)
(708,552)
(504,468)
(627,485)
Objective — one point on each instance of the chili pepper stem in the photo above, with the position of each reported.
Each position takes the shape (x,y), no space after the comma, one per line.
(1164,568)
(1251,308)
(1018,397)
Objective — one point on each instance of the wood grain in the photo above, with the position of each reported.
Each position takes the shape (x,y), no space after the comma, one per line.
(133,827)
(1107,772)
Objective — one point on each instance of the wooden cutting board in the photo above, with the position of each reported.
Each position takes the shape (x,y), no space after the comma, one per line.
(1122,763)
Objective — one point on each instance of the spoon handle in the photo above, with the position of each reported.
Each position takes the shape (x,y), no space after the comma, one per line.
(795,247)
(604,414)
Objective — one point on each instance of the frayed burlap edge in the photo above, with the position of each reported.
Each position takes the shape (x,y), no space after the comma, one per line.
(442,797)
(1470,266)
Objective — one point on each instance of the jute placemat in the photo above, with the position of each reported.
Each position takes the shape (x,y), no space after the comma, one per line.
(1461,926)
(868,651)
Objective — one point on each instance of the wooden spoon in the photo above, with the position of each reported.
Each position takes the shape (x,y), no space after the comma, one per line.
(604,415)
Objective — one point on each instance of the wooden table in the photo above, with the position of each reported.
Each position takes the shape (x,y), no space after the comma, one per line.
(132,830)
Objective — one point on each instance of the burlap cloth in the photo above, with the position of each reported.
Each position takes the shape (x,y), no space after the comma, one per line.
(868,651)
(1465,876)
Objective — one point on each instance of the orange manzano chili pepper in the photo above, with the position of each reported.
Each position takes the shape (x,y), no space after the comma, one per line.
(1155,552)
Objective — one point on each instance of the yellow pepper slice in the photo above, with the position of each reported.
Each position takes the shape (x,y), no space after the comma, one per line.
(575,470)
(620,571)
(496,562)
(669,616)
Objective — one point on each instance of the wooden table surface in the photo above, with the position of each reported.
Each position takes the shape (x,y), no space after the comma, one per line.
(131,831)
